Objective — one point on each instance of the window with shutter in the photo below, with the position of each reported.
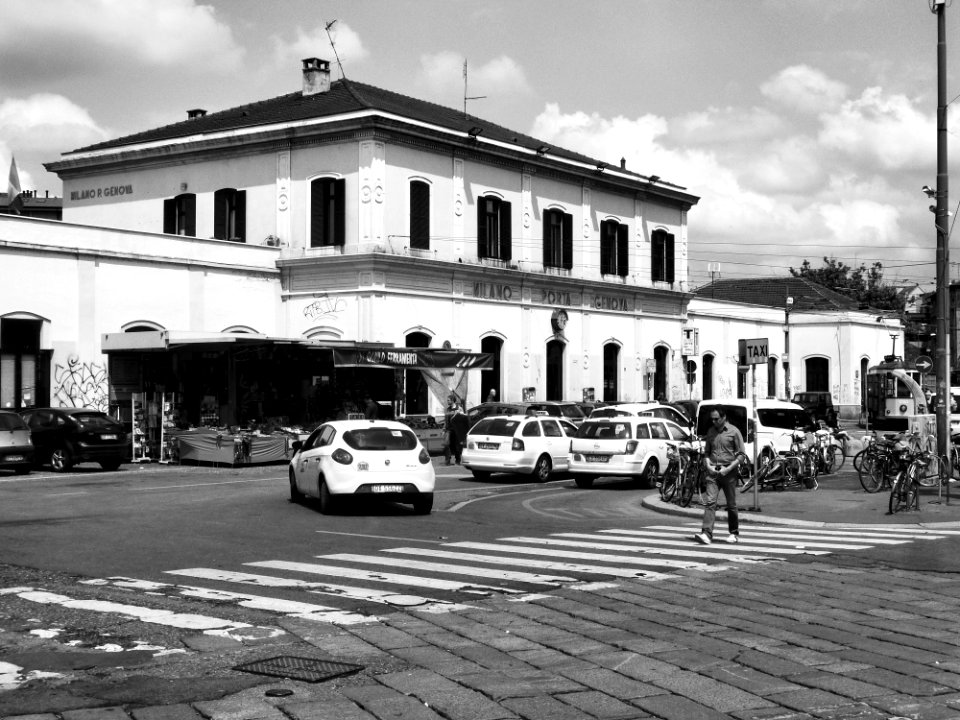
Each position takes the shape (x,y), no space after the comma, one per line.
(623,250)
(180,215)
(609,254)
(662,256)
(557,239)
(327,212)
(229,210)
(419,215)
(494,229)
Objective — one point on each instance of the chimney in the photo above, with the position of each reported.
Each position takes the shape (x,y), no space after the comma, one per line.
(316,76)
(623,163)
(196,113)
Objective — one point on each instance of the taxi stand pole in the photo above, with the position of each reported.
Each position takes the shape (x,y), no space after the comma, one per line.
(752,353)
(753,468)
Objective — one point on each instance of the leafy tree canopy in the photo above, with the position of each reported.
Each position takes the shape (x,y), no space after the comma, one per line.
(863,284)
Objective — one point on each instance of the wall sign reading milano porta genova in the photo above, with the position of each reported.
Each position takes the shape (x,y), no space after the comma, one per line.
(411,358)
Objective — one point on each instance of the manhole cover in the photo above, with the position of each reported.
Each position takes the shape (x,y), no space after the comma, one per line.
(299,668)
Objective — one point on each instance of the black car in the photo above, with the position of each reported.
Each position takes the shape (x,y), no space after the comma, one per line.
(64,437)
(819,405)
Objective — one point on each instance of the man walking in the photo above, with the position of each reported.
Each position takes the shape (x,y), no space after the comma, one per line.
(721,457)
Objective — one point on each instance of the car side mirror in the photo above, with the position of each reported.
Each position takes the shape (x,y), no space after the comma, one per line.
(296,445)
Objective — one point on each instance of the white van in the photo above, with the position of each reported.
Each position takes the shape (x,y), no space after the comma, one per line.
(775,422)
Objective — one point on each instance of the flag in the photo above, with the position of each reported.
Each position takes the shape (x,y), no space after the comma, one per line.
(14,201)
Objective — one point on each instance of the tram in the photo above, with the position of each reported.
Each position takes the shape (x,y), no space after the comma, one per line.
(894,395)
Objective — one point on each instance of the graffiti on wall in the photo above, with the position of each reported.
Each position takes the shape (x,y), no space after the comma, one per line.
(80,384)
(324,307)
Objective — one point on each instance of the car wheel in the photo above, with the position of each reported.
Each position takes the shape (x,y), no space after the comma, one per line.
(423,505)
(583,482)
(61,460)
(110,465)
(295,495)
(541,471)
(326,499)
(649,475)
(481,474)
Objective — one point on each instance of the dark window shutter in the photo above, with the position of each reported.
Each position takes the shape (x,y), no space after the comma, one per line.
(669,257)
(190,213)
(623,250)
(506,238)
(481,227)
(547,244)
(605,249)
(221,208)
(419,215)
(567,244)
(340,209)
(317,212)
(656,256)
(170,216)
(241,215)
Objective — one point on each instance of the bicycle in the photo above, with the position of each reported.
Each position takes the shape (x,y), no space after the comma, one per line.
(692,479)
(879,462)
(670,480)
(828,449)
(794,468)
(905,493)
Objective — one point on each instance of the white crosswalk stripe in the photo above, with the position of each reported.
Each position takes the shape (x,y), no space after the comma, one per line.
(457,574)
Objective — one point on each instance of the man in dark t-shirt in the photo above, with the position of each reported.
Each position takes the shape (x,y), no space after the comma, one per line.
(723,451)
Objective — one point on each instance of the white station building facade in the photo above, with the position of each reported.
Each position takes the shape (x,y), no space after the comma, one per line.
(287,257)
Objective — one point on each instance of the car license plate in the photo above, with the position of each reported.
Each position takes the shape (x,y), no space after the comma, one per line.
(488,446)
(598,458)
(14,458)
(387,488)
(109,436)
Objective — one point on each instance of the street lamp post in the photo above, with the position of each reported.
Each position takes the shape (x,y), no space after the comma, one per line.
(786,347)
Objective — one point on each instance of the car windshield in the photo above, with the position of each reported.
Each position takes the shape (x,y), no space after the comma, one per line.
(609,412)
(95,421)
(495,426)
(605,431)
(380,438)
(785,418)
(9,421)
(572,411)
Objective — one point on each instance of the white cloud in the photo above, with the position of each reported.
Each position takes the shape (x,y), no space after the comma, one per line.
(804,89)
(884,131)
(70,35)
(442,75)
(315,43)
(44,120)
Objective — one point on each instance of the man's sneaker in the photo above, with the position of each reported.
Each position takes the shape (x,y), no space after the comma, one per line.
(703,538)
(733,539)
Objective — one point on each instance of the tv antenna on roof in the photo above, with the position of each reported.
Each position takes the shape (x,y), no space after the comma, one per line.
(333,46)
(465,98)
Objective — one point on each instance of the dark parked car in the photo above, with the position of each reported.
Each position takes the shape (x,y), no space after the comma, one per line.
(16,448)
(819,405)
(64,437)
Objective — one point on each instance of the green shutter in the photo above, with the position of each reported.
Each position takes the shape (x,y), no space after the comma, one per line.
(566,251)
(506,230)
(623,250)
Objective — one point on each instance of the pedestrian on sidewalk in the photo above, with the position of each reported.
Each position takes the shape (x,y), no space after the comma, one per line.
(448,439)
(459,426)
(721,457)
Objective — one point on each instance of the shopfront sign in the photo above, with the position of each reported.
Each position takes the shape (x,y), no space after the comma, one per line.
(411,359)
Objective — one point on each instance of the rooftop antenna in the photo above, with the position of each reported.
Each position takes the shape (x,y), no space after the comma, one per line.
(334,47)
(465,98)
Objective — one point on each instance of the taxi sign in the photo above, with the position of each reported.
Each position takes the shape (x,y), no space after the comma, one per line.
(754,352)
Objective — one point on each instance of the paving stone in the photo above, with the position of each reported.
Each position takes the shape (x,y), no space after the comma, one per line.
(440,661)
(331,709)
(676,707)
(447,698)
(544,707)
(33,716)
(749,679)
(708,692)
(809,700)
(165,712)
(900,683)
(384,702)
(383,637)
(598,705)
(107,713)
(492,658)
(841,685)
(633,665)
(211,643)
(612,683)
(499,685)
(770,713)
(553,660)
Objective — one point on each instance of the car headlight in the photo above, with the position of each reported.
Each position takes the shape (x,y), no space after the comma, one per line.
(342,456)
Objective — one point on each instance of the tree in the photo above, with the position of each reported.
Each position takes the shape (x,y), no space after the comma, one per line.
(863,284)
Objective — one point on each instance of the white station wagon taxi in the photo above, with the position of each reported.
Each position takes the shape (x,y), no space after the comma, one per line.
(633,447)
(530,445)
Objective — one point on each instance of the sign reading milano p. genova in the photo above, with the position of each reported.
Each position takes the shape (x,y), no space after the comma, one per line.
(754,352)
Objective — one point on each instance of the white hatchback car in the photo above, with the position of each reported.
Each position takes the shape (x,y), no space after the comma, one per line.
(625,446)
(531,445)
(364,460)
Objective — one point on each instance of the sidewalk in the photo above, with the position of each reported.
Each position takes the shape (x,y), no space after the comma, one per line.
(840,499)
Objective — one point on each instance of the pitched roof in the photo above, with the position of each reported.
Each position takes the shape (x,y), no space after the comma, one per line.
(344,97)
(774,291)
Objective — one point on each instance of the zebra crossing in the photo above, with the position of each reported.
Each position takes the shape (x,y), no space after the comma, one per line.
(348,588)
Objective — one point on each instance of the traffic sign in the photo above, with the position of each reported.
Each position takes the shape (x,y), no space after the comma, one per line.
(923,363)
(754,352)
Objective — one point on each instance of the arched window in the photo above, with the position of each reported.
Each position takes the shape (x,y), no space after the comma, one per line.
(818,374)
(490,379)
(661,356)
(494,238)
(327,208)
(419,215)
(555,349)
(614,248)
(416,390)
(772,376)
(707,377)
(611,372)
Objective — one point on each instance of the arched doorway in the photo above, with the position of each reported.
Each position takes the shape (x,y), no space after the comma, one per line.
(415,387)
(817,374)
(555,350)
(708,377)
(611,372)
(490,379)
(661,356)
(772,377)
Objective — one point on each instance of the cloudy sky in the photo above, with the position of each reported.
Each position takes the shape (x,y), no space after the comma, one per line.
(807,127)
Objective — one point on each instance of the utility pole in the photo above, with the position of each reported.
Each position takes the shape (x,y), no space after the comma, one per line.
(941,212)
(786,347)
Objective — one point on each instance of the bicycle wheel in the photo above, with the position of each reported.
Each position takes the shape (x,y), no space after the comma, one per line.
(926,475)
(898,497)
(668,485)
(689,481)
(833,459)
(858,458)
(872,469)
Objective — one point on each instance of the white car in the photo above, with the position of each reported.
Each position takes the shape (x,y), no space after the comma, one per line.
(626,446)
(364,460)
(651,409)
(535,445)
